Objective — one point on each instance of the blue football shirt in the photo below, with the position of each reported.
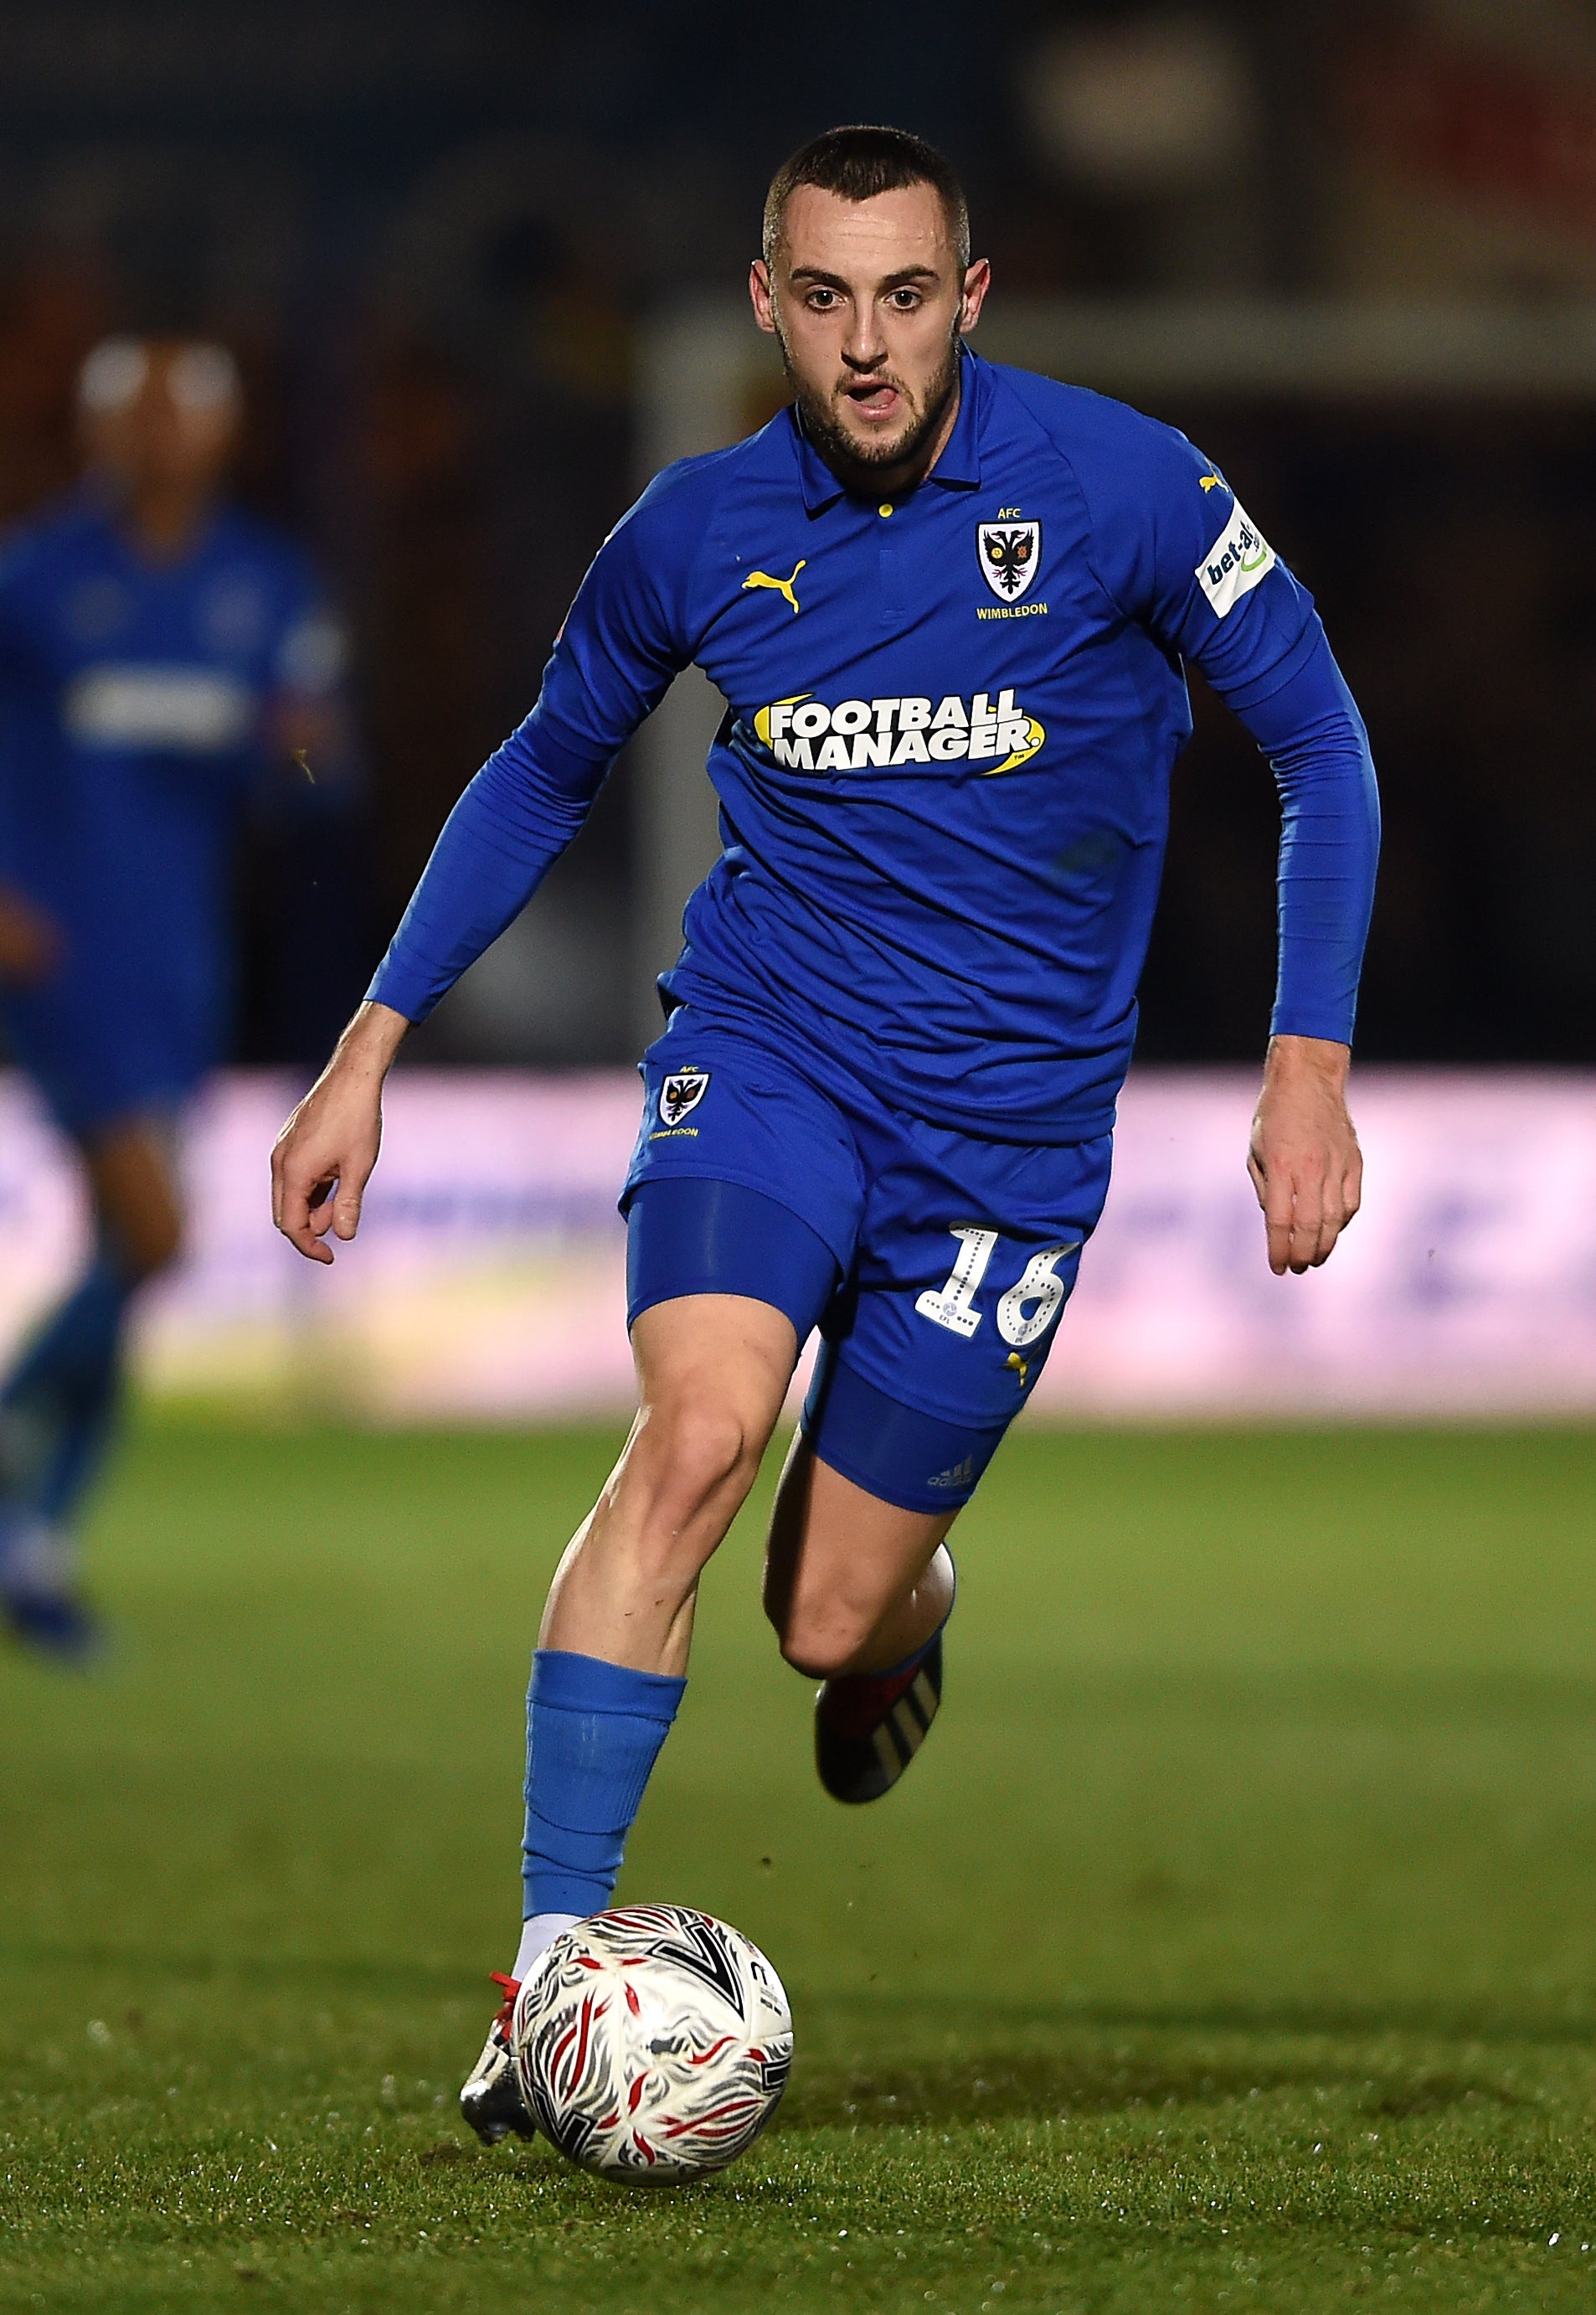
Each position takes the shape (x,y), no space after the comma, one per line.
(133,700)
(943,770)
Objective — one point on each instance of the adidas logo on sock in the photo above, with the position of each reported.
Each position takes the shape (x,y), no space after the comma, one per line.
(961,1475)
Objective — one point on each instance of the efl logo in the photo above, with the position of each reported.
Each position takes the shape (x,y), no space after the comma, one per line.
(1235,564)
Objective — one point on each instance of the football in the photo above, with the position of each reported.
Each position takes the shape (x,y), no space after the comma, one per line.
(654,2044)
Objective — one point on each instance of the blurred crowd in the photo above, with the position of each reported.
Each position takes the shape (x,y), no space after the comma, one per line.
(434,241)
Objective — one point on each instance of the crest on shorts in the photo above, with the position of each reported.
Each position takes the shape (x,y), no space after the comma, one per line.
(1010,556)
(681,1091)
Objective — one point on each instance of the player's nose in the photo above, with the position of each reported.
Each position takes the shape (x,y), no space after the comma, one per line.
(864,351)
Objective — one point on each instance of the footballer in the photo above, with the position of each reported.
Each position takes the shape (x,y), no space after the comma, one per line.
(949,606)
(162,655)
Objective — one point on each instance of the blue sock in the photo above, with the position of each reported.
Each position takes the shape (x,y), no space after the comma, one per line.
(60,1400)
(593,1734)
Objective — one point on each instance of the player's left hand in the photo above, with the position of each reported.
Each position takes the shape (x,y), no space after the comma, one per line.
(1305,1161)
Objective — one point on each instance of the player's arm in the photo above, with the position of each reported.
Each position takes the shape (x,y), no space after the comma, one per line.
(1304,1159)
(1176,551)
(623,641)
(1268,660)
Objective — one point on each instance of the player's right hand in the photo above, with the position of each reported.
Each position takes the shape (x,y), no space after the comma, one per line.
(323,1156)
(30,946)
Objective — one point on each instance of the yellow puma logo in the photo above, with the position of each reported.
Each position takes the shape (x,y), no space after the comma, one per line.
(1021,1367)
(782,586)
(1211,482)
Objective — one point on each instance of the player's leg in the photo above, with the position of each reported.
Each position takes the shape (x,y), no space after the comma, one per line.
(852,1585)
(929,1358)
(859,1585)
(612,1655)
(611,1661)
(724,1283)
(58,1405)
(713,1371)
(859,1589)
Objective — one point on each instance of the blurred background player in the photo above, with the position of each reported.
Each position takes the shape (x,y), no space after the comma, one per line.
(163,660)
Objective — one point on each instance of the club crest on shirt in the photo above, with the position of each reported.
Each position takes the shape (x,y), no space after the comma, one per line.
(681,1092)
(1010,556)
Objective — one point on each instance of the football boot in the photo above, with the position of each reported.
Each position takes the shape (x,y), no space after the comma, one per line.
(491,2100)
(54,1623)
(869,1726)
(38,1598)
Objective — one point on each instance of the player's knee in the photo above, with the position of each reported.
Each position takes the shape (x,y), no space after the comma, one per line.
(137,1209)
(166,1242)
(149,1242)
(695,1459)
(822,1640)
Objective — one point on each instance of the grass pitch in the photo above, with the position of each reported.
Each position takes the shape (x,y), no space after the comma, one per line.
(1232,1944)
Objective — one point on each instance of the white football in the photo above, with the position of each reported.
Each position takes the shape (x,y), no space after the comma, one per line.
(652,2044)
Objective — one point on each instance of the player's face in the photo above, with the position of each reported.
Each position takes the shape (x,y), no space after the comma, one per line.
(869,301)
(175,426)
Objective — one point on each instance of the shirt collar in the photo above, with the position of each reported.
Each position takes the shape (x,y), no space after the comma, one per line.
(957,469)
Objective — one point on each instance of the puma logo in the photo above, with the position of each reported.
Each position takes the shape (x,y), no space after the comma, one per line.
(1210,482)
(781,586)
(1021,1367)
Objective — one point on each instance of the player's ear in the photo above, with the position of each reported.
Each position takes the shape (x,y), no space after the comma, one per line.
(762,295)
(978,281)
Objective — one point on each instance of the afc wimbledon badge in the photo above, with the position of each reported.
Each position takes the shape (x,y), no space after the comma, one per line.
(1009,554)
(682,1091)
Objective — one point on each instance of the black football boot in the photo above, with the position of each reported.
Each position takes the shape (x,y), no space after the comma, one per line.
(869,1726)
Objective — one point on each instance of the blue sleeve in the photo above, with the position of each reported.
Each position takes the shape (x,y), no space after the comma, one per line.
(1317,748)
(1177,552)
(625,638)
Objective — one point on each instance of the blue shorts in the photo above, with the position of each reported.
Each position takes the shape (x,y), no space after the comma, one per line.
(934,1265)
(94,1073)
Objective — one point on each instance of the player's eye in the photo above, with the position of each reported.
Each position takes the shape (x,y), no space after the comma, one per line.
(821,301)
(905,301)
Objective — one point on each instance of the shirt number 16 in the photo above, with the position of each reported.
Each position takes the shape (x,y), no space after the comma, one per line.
(952,1306)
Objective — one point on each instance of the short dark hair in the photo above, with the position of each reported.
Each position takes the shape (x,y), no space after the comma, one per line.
(859,162)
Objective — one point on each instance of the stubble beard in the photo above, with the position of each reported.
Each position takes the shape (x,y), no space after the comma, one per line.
(842,450)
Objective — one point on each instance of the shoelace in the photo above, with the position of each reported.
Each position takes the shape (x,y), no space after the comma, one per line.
(512,1986)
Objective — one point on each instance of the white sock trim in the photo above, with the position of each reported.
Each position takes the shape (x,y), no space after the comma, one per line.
(538,1935)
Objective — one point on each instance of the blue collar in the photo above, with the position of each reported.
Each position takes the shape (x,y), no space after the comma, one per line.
(957,469)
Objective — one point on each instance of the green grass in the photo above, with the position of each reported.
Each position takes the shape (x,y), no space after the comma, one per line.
(1232,1945)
